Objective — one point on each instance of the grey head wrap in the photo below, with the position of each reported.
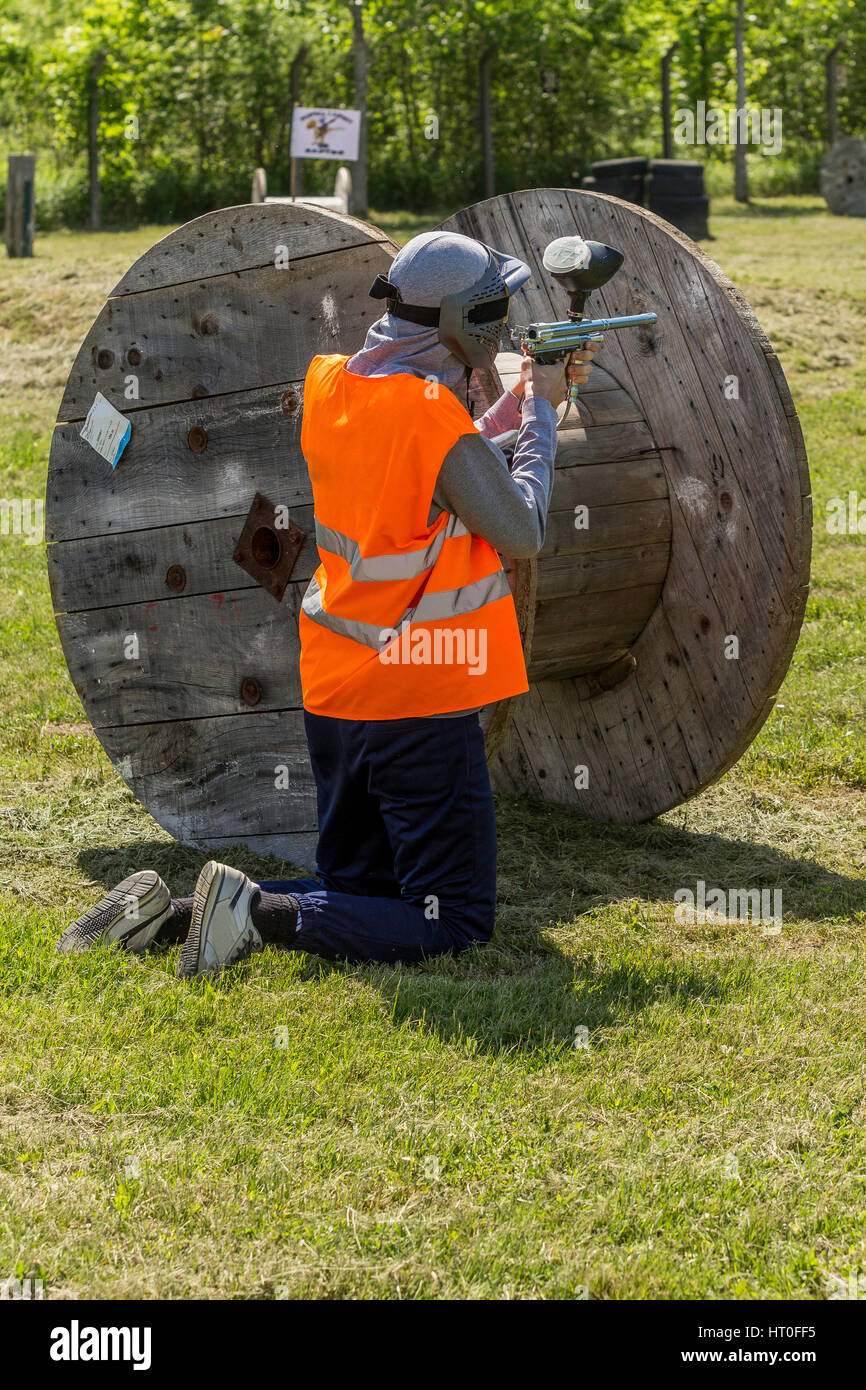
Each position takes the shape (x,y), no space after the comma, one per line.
(427,268)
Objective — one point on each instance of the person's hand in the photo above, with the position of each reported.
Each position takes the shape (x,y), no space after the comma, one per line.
(580,364)
(538,380)
(547,381)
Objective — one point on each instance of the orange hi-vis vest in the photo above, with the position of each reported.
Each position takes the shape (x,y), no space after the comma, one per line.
(402,618)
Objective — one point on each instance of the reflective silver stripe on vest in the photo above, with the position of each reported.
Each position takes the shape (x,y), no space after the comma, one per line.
(385,567)
(451,603)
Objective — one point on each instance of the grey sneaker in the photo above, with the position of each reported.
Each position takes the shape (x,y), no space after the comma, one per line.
(222,930)
(129,916)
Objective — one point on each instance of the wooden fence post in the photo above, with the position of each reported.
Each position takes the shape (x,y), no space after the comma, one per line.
(93,139)
(296,175)
(667,130)
(20,204)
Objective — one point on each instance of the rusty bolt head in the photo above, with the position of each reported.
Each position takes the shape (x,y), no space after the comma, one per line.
(208,325)
(251,691)
(175,578)
(290,402)
(199,392)
(197,439)
(105,358)
(133,357)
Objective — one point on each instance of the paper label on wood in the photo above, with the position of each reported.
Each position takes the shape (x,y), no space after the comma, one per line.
(323,133)
(106,430)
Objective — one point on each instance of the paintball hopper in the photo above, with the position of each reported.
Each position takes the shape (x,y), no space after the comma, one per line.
(580,267)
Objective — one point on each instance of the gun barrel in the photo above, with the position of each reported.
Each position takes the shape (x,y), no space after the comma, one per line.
(571,332)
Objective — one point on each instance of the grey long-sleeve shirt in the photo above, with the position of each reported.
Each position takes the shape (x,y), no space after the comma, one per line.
(507,506)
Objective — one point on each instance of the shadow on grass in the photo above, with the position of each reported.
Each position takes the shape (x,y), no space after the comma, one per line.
(522,992)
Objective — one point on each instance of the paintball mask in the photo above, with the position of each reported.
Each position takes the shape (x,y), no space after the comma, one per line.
(469,320)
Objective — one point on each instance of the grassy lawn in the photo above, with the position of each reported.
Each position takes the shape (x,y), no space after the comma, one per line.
(604,1102)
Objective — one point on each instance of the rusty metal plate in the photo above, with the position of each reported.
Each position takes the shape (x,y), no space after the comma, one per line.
(268,547)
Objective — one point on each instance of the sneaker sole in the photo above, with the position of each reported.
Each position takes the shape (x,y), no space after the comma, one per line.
(210,877)
(107,924)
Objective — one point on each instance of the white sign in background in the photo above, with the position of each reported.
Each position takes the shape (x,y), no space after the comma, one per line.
(321,133)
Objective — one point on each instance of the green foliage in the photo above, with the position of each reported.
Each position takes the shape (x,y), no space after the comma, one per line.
(194,94)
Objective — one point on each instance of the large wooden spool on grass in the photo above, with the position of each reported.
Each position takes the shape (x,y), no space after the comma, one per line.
(697,504)
(843,177)
(692,464)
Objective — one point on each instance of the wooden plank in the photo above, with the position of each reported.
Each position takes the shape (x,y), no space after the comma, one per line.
(604,796)
(540,747)
(205,778)
(602,570)
(602,484)
(578,617)
(226,333)
(511,773)
(699,630)
(131,567)
(296,849)
(614,407)
(244,238)
(596,444)
(189,657)
(608,528)
(630,739)
(253,445)
(569,668)
(668,688)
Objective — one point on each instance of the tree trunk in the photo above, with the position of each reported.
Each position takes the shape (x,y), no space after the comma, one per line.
(741,177)
(298,62)
(96,67)
(832,93)
(486,123)
(667,128)
(359,57)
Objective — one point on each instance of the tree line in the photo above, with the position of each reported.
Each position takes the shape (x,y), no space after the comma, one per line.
(161,109)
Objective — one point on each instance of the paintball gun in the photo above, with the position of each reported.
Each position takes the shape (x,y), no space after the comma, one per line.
(580,267)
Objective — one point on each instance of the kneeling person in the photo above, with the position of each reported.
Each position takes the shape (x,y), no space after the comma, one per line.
(408,628)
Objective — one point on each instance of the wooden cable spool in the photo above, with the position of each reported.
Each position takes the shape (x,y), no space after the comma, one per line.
(843,177)
(202,713)
(699,526)
(177,593)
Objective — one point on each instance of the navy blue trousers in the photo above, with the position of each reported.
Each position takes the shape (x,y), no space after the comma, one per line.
(406,859)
